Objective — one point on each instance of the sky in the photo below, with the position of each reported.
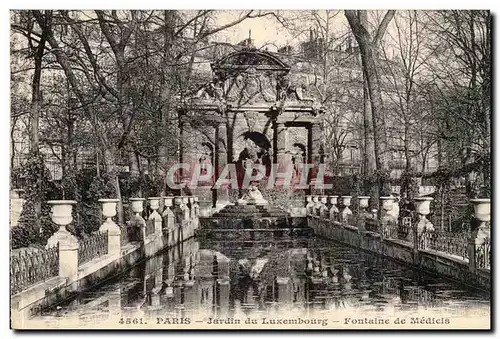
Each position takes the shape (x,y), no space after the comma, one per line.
(264,30)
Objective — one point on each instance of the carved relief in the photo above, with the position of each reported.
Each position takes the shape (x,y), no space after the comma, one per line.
(251,86)
(251,77)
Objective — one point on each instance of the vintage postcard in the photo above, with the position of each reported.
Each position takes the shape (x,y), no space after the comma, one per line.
(250,169)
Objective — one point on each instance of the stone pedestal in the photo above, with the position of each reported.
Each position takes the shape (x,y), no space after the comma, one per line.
(323,210)
(155,217)
(179,219)
(480,241)
(334,210)
(68,243)
(423,227)
(114,231)
(346,214)
(388,224)
(137,222)
(362,213)
(168,220)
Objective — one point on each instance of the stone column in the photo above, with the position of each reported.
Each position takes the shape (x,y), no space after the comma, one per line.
(221,150)
(68,243)
(315,153)
(479,243)
(114,231)
(281,135)
(155,217)
(137,222)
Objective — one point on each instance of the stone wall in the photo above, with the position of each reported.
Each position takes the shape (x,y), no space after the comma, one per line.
(403,251)
(73,278)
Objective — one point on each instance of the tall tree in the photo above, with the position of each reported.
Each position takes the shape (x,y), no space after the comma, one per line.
(369,50)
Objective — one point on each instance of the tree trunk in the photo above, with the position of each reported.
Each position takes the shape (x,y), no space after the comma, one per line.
(135,173)
(36,102)
(369,142)
(368,50)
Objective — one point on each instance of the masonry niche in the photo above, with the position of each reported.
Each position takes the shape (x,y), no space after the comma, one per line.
(250,113)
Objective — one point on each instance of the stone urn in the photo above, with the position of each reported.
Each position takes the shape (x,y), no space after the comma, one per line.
(109,207)
(346,201)
(61,211)
(423,205)
(423,208)
(482,209)
(334,199)
(363,202)
(168,201)
(387,203)
(61,216)
(154,203)
(137,205)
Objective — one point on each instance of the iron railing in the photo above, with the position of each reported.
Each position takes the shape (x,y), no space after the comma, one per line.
(448,242)
(483,254)
(124,237)
(32,268)
(93,247)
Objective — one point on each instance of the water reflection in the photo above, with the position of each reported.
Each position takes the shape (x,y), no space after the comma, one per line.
(238,279)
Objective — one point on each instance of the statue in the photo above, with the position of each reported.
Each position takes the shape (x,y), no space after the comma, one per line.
(298,162)
(252,197)
(282,88)
(212,90)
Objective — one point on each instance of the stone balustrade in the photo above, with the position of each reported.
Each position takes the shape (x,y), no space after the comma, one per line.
(418,232)
(65,255)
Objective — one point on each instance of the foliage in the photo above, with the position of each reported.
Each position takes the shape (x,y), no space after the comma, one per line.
(33,227)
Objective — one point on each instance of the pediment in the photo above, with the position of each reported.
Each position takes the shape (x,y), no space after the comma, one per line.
(249,58)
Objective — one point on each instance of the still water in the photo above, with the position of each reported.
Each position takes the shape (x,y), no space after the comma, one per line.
(204,280)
